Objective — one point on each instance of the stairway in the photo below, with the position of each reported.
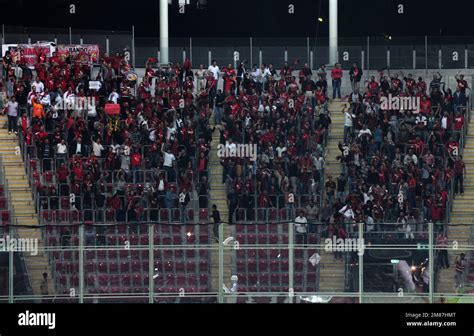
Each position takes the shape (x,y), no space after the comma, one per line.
(19,194)
(462,213)
(332,272)
(219,198)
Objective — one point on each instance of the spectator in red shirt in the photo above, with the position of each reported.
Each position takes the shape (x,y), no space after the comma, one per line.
(336,75)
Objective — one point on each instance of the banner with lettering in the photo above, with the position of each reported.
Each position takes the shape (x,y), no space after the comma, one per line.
(83,53)
(34,53)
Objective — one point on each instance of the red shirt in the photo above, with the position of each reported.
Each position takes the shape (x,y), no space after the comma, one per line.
(458,123)
(135,160)
(336,73)
(436,213)
(62,174)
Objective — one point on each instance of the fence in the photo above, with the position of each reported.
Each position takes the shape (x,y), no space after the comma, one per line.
(158,262)
(372,53)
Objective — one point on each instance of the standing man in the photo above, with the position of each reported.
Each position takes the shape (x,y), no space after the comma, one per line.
(184,199)
(12,113)
(460,265)
(214,69)
(301,224)
(336,75)
(216,216)
(312,213)
(219,109)
(44,287)
(442,242)
(459,175)
(355,74)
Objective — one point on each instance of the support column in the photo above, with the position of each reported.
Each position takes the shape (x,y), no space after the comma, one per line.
(164,48)
(332,31)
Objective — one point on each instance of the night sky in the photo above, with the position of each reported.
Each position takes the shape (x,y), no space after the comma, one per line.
(244,18)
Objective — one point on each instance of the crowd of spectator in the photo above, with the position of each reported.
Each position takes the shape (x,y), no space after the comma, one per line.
(152,155)
(399,165)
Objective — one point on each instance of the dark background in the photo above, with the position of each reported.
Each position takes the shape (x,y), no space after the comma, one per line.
(244,18)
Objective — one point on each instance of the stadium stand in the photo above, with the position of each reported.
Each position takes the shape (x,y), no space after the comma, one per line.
(128,155)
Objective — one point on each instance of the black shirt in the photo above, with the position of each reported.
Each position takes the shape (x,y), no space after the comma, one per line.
(216,216)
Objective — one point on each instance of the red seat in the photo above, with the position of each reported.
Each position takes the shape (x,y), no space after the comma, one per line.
(144,240)
(74,215)
(124,266)
(203,254)
(52,240)
(298,278)
(299,265)
(176,240)
(134,240)
(299,253)
(262,266)
(168,266)
(204,238)
(203,214)
(272,214)
(67,255)
(176,215)
(274,265)
(59,266)
(192,280)
(91,280)
(114,279)
(136,266)
(164,215)
(252,279)
(102,267)
(181,280)
(125,280)
(3,202)
(103,280)
(91,255)
(275,279)
(251,239)
(113,267)
(110,215)
(203,266)
(273,239)
(252,254)
(252,265)
(241,266)
(65,202)
(190,267)
(263,279)
(203,279)
(137,280)
(262,238)
(90,266)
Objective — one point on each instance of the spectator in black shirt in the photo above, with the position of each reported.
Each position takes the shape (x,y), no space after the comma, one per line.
(216,216)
